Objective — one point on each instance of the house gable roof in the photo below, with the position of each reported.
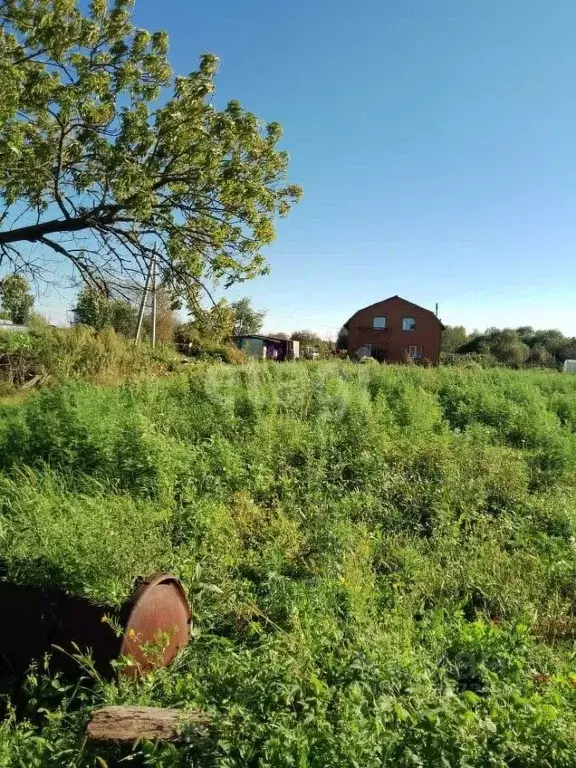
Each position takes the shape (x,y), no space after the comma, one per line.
(391,298)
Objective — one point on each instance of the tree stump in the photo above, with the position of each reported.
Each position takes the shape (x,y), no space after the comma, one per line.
(126,725)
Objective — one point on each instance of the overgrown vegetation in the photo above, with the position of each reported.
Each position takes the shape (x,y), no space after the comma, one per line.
(48,355)
(312,345)
(381,560)
(517,348)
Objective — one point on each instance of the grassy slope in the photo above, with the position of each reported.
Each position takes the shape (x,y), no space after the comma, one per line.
(381,560)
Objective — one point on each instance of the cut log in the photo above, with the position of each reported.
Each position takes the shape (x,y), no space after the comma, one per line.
(125,725)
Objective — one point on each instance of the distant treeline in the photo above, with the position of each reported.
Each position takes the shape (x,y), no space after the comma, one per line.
(515,347)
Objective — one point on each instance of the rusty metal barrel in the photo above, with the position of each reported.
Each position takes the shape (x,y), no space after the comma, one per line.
(147,631)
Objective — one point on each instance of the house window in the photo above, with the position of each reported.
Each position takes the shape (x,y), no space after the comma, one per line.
(408,323)
(367,350)
(415,351)
(379,323)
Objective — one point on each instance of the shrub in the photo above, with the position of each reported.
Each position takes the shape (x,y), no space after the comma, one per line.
(76,353)
(192,344)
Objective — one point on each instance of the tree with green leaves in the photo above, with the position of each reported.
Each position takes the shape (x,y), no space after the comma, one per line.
(342,340)
(215,324)
(552,339)
(540,356)
(247,320)
(453,337)
(92,308)
(97,310)
(108,161)
(124,317)
(508,348)
(16,299)
(504,345)
(311,342)
(567,351)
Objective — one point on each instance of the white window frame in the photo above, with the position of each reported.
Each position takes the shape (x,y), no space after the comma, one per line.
(379,327)
(404,319)
(416,351)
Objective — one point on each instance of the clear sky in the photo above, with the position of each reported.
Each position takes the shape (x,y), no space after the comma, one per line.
(435,141)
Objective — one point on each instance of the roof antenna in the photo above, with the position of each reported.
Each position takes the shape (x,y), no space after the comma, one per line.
(436,309)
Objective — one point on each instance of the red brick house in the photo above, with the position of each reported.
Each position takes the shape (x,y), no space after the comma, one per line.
(393,330)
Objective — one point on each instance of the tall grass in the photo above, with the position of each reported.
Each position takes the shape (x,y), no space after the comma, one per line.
(53,355)
(381,560)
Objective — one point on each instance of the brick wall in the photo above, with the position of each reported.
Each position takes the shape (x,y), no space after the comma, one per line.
(393,343)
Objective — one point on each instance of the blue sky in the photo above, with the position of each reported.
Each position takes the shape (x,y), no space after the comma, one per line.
(435,141)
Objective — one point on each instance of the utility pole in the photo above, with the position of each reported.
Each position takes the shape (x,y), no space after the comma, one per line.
(154,301)
(151,266)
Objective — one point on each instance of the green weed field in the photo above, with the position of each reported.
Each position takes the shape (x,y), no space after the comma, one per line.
(381,560)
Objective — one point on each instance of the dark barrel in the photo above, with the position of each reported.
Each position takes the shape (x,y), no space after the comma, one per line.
(154,625)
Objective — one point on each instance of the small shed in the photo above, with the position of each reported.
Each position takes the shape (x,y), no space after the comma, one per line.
(569,366)
(259,347)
